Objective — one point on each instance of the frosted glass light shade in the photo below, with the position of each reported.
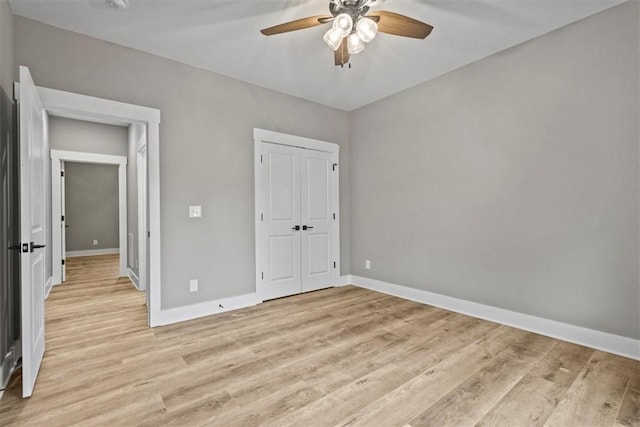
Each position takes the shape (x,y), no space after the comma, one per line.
(343,24)
(333,38)
(366,29)
(355,44)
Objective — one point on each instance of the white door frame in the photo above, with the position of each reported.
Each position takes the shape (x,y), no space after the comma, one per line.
(141,159)
(89,108)
(63,228)
(58,156)
(261,136)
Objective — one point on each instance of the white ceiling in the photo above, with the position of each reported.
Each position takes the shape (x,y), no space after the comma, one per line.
(223,36)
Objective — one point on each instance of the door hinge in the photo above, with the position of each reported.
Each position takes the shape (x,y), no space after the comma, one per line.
(334,216)
(335,165)
(334,264)
(148,234)
(62,262)
(263,275)
(261,217)
(61,173)
(260,158)
(62,218)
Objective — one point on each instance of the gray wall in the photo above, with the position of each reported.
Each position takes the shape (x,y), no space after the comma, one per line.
(91,206)
(9,233)
(206,154)
(6,48)
(88,137)
(513,181)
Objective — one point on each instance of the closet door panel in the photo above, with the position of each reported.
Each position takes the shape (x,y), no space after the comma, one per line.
(280,170)
(316,213)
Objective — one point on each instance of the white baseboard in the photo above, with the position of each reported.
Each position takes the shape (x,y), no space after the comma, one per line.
(347,279)
(134,279)
(47,287)
(93,252)
(194,311)
(599,340)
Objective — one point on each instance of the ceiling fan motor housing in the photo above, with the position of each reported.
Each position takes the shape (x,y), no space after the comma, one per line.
(353,8)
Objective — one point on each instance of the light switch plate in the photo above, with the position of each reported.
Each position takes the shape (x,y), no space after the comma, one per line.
(193,285)
(195,211)
(367,264)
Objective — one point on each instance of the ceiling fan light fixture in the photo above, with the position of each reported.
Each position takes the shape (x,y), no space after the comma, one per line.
(333,38)
(343,24)
(366,29)
(355,44)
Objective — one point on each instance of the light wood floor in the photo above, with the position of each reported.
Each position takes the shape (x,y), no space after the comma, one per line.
(342,356)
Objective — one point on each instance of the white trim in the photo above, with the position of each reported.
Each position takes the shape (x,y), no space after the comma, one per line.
(89,108)
(345,280)
(134,279)
(58,156)
(141,161)
(599,340)
(294,141)
(81,157)
(48,286)
(100,110)
(203,309)
(94,252)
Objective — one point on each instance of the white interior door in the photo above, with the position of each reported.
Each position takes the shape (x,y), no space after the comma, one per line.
(318,205)
(32,231)
(63,223)
(279,239)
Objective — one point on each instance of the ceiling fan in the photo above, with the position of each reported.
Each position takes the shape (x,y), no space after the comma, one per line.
(352,28)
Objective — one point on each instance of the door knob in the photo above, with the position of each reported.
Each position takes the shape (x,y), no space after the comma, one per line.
(307,227)
(296,228)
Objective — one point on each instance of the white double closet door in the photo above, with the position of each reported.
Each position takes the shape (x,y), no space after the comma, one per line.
(298,233)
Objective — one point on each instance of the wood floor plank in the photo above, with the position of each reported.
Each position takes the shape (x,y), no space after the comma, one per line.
(426,389)
(471,400)
(339,356)
(533,399)
(629,414)
(596,395)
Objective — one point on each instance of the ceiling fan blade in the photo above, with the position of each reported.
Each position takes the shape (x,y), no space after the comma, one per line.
(400,25)
(298,24)
(341,55)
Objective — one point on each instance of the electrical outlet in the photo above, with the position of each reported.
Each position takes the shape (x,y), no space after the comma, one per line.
(195,211)
(367,264)
(95,243)
(193,285)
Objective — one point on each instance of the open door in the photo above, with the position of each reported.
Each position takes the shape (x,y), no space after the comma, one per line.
(63,223)
(32,232)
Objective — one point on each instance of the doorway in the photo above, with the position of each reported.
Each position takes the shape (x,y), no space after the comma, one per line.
(146,121)
(60,222)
